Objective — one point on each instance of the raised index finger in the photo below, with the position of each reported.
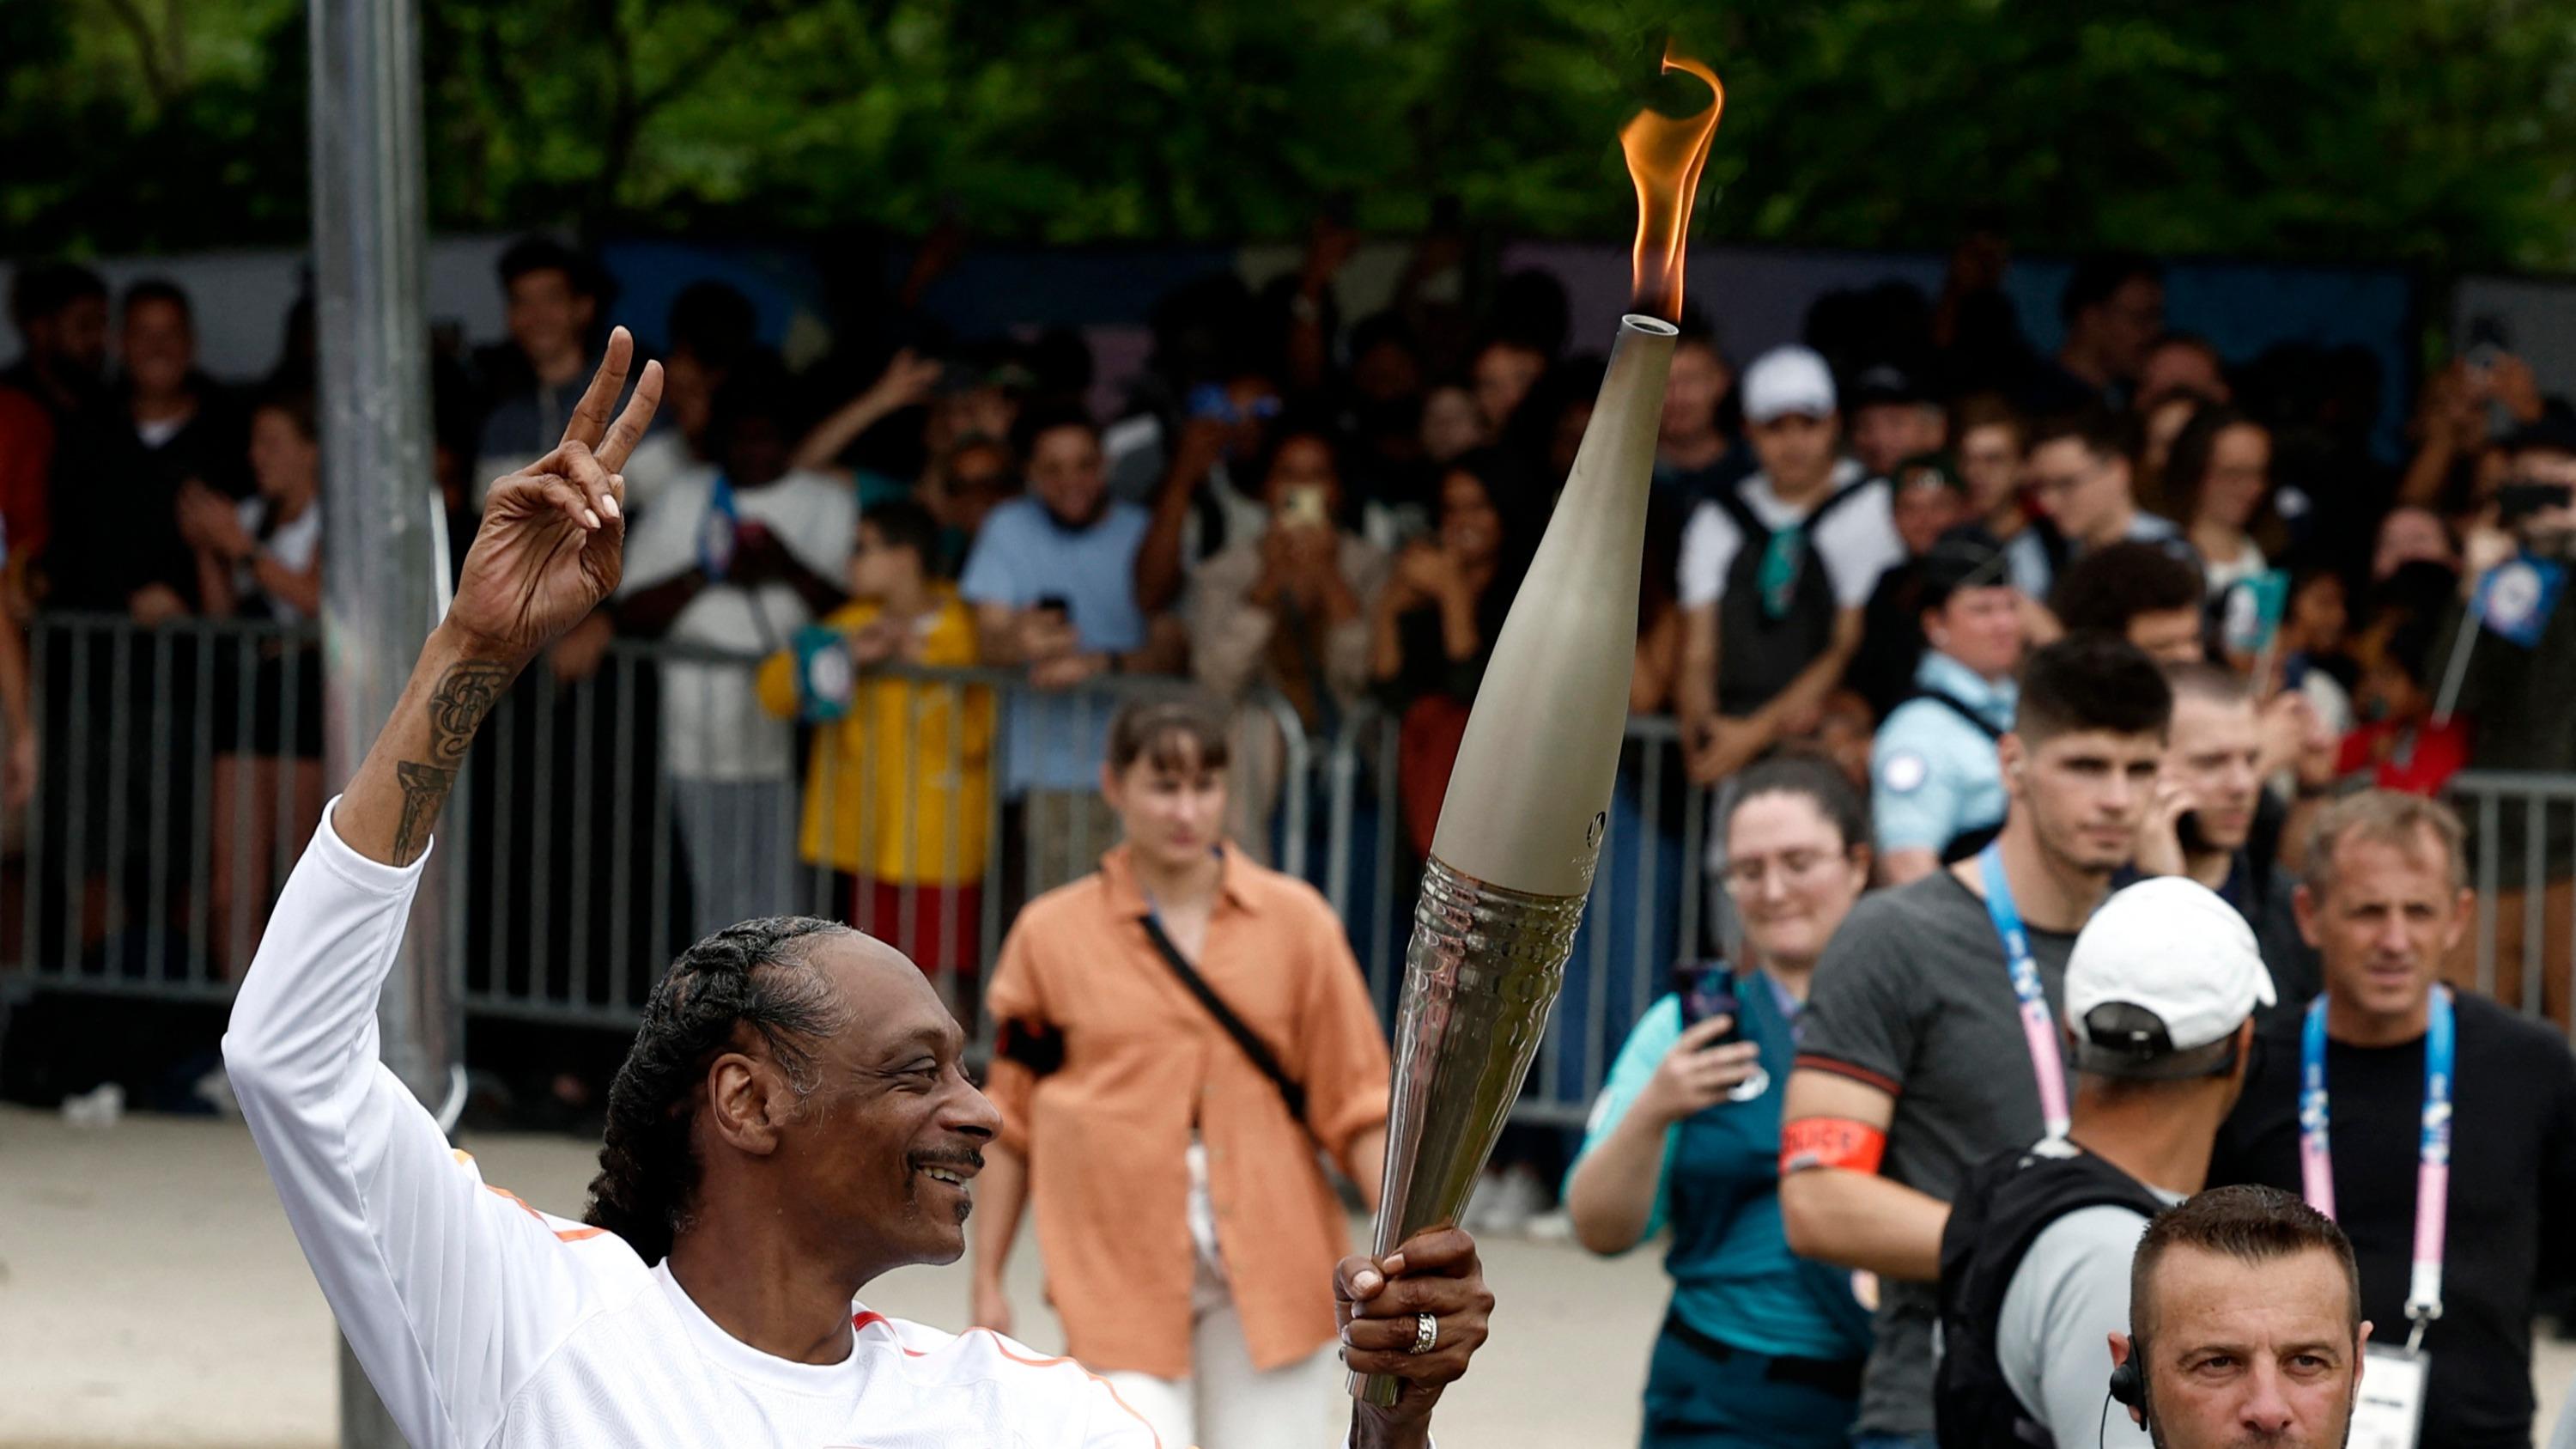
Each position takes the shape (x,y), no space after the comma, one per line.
(589,422)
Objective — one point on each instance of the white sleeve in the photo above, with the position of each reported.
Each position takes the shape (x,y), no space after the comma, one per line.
(450,1294)
(1859,543)
(2052,1339)
(1709,542)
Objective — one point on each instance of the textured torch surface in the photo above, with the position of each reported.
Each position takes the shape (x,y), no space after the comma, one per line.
(1479,978)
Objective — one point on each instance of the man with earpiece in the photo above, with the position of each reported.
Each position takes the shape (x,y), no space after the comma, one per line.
(2245,1327)
(2161,991)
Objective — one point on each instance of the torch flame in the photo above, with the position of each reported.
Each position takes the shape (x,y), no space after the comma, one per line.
(1665,156)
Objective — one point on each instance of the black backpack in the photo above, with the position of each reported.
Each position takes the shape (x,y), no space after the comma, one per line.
(1766,642)
(2002,1208)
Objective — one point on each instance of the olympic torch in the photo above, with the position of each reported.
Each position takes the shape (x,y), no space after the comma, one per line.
(1520,829)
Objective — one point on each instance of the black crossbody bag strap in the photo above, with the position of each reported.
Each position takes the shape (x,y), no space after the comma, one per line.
(1244,1036)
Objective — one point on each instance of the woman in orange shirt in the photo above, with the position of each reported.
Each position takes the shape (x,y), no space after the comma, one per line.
(1182,1209)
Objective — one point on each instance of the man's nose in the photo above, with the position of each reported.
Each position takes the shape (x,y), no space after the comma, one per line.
(2266,1408)
(975,1115)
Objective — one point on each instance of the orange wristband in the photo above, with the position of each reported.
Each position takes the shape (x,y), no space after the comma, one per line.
(1830,1142)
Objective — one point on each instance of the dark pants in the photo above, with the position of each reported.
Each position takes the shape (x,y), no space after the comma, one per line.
(1696,1399)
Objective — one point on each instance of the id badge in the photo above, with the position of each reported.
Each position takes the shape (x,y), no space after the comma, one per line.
(2389,1410)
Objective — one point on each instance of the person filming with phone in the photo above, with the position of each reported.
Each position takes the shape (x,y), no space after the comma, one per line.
(1288,609)
(1759,1347)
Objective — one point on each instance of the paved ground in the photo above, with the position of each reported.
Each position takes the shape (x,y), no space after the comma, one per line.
(150,1294)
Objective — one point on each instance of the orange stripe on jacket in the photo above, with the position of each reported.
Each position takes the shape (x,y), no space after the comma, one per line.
(562,1235)
(1003,1345)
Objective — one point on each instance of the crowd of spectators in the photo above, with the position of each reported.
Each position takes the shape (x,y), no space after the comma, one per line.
(1931,610)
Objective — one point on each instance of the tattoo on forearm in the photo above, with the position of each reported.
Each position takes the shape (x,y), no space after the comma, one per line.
(465,694)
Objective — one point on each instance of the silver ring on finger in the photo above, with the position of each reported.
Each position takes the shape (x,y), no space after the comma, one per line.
(1426,1334)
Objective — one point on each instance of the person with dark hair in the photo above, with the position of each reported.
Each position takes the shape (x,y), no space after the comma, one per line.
(2142,592)
(2114,309)
(2435,1124)
(531,383)
(60,311)
(1502,374)
(2218,479)
(1052,579)
(1181,1032)
(261,558)
(1288,610)
(793,1120)
(1693,455)
(2082,468)
(735,560)
(2245,1326)
(1934,995)
(1758,1347)
(2203,825)
(1988,434)
(1894,417)
(124,473)
(1774,573)
(1434,624)
(898,786)
(2181,363)
(2161,991)
(713,330)
(2398,744)
(1927,501)
(1210,497)
(1939,792)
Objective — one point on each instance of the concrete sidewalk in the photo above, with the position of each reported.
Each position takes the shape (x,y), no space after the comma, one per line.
(151,1294)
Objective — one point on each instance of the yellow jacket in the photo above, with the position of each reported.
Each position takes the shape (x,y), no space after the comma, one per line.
(910,762)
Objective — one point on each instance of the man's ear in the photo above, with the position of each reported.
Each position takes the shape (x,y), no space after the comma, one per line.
(2119,1356)
(2303,904)
(747,1102)
(2012,761)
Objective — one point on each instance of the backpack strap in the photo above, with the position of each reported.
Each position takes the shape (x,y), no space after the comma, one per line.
(1244,1036)
(1961,708)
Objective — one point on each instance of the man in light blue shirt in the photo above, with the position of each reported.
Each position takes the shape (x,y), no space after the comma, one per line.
(1938,789)
(1052,580)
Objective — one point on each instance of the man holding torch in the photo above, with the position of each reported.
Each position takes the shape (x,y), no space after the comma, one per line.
(793,1120)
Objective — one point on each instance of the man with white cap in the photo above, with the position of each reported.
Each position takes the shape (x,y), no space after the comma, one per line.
(2160,997)
(1774,572)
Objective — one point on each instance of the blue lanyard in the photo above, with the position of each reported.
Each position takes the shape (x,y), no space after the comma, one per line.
(2039,1029)
(2433,1149)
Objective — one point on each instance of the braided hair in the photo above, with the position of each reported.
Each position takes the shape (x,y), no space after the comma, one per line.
(754,975)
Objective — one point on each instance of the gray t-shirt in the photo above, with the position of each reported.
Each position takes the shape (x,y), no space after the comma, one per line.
(1913,997)
(2052,1339)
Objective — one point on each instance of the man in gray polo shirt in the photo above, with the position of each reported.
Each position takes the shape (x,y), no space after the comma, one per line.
(1930,1044)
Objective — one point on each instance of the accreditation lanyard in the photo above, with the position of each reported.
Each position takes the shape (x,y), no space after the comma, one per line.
(2433,1151)
(2038,1028)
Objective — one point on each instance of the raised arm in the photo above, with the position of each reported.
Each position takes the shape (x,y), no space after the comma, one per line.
(450,1295)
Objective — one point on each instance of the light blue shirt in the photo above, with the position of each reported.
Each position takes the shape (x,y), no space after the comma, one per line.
(1056,741)
(1935,773)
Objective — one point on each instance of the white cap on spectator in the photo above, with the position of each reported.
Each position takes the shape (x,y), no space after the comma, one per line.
(1786,380)
(2160,980)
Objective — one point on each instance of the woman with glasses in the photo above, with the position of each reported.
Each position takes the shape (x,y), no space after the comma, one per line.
(1758,1347)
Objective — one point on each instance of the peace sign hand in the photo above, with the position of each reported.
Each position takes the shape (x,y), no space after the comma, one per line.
(551,544)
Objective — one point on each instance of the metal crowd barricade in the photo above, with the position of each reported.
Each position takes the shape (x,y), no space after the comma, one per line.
(610,819)
(2522,832)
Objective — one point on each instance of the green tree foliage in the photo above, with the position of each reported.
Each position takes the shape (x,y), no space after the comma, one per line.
(2421,130)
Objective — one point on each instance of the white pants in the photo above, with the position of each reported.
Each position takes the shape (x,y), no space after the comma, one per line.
(1226,1403)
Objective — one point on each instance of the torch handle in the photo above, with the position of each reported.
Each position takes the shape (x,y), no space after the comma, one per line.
(1481,974)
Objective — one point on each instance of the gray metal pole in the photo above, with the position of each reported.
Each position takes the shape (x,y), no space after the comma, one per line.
(380,583)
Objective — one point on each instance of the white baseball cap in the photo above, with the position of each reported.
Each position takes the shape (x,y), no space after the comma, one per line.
(1786,380)
(2160,980)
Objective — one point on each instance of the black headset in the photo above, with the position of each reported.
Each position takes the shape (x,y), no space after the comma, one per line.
(2128,1386)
